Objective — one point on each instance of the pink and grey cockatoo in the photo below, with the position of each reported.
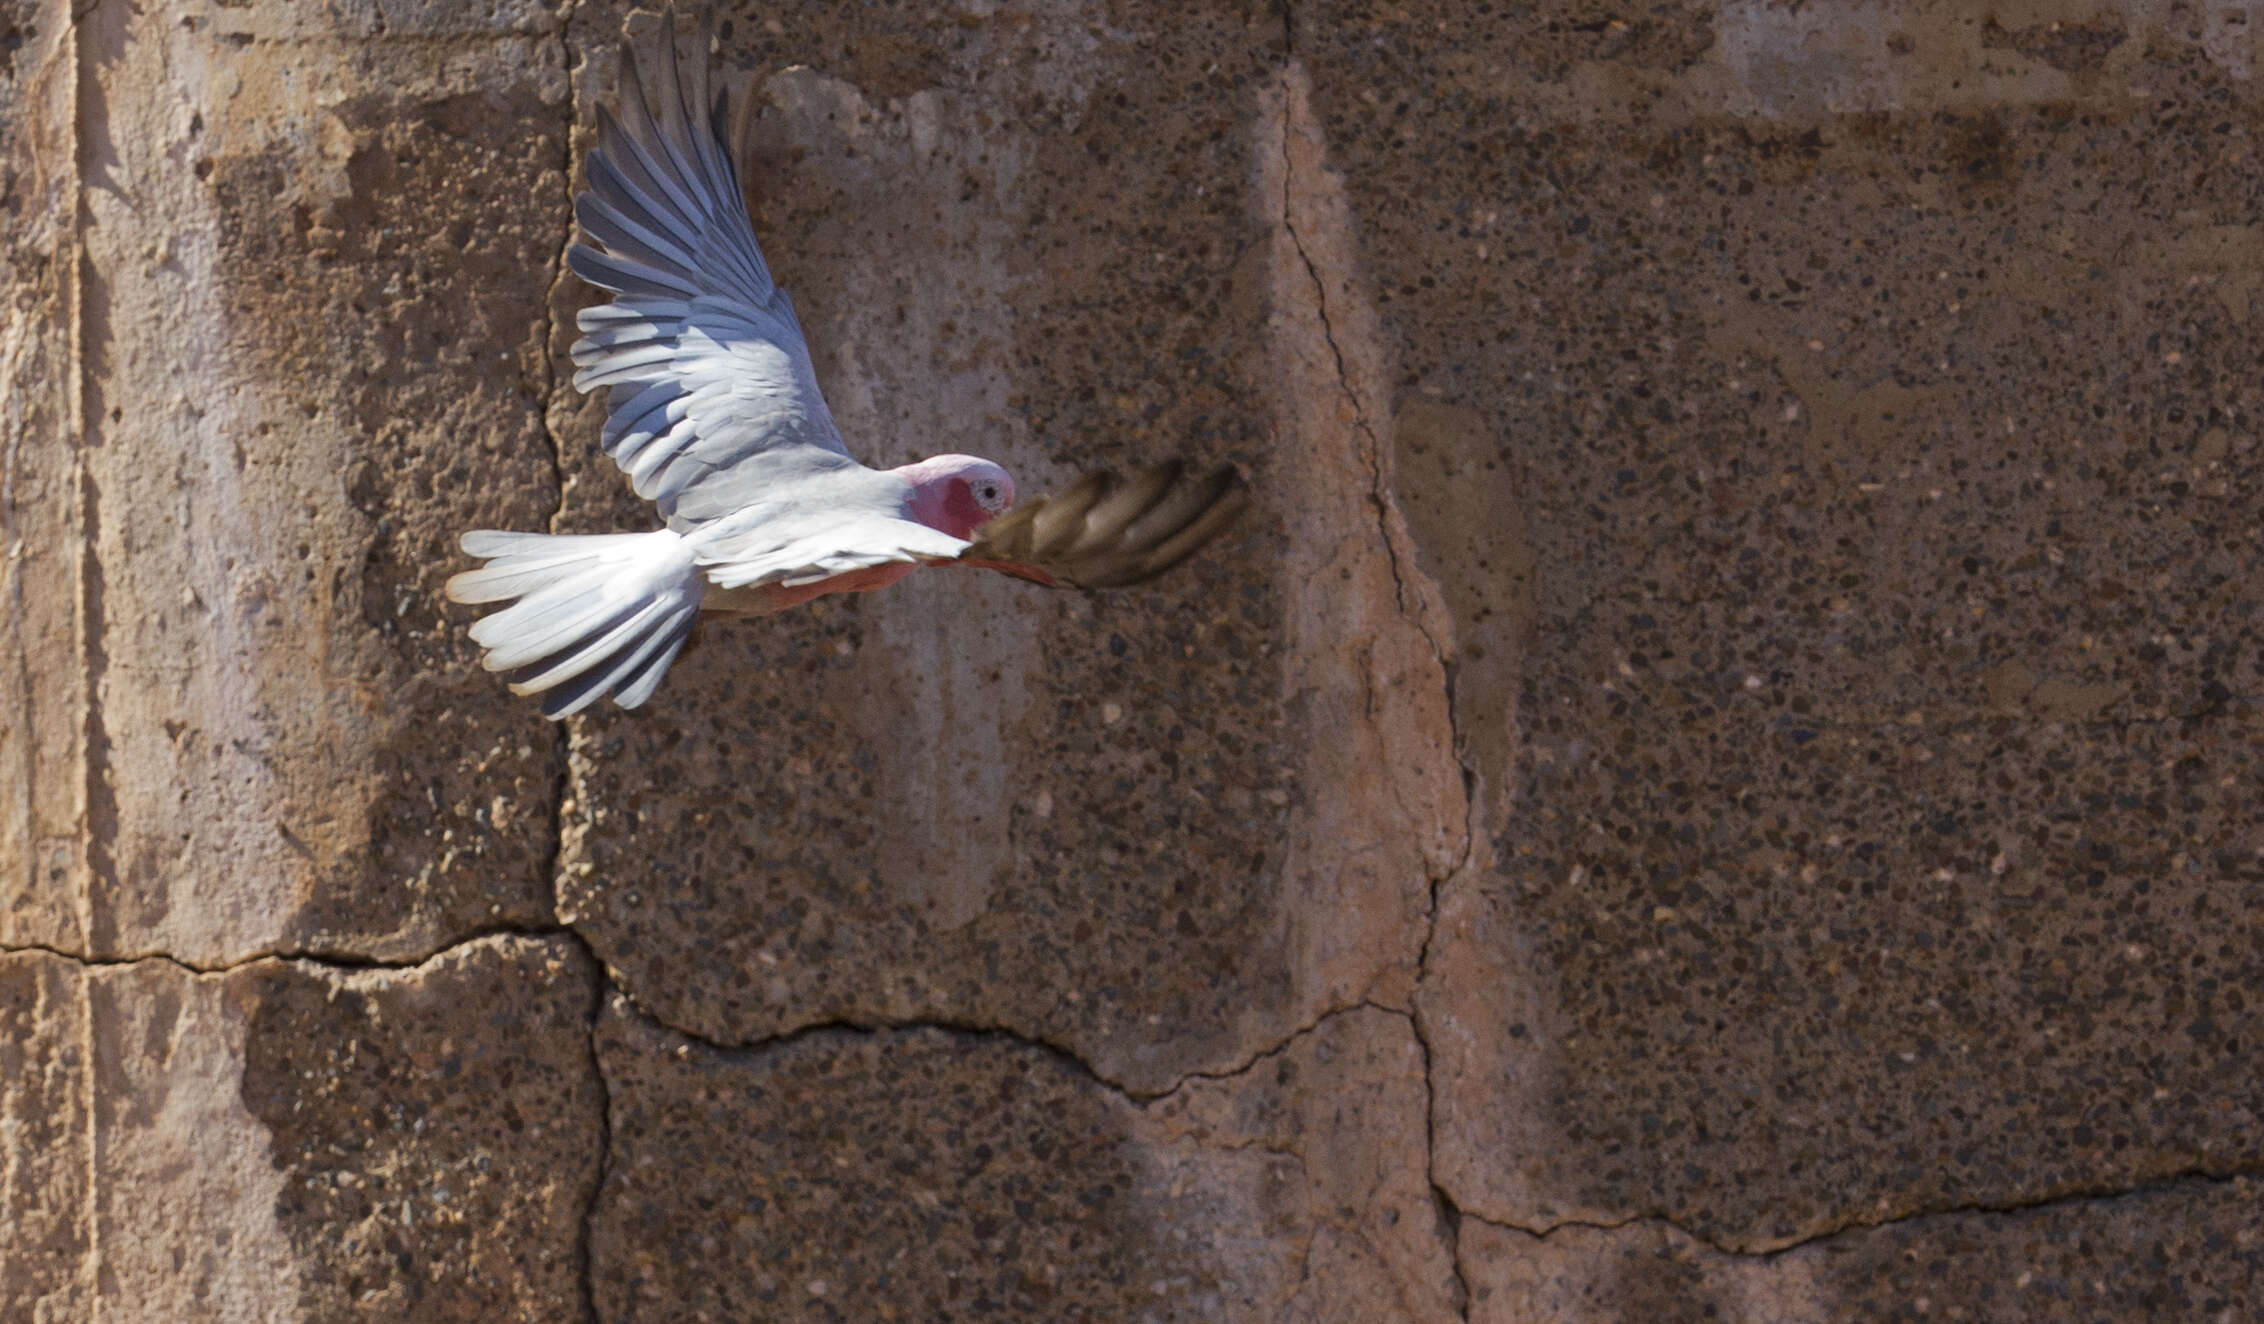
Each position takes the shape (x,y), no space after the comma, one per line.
(717,419)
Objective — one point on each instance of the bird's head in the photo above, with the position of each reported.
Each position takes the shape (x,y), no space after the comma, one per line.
(958,493)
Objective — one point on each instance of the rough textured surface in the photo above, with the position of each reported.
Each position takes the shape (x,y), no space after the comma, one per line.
(292,1141)
(44,1095)
(308,351)
(989,1179)
(1719,780)
(1881,788)
(1162,828)
(435,1133)
(182,1190)
(43,680)
(2180,1251)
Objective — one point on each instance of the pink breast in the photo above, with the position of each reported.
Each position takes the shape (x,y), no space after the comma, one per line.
(856,581)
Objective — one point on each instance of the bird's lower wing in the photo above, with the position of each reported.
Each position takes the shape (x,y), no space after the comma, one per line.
(795,553)
(1107,533)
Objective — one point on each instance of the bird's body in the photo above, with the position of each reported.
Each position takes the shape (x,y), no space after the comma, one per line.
(716,417)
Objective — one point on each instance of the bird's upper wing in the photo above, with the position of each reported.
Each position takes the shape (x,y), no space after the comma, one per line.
(711,378)
(1103,533)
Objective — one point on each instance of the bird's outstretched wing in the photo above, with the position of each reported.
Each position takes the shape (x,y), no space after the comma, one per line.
(1106,533)
(714,398)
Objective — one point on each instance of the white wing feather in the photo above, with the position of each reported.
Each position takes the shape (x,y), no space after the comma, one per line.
(715,415)
(797,551)
(713,394)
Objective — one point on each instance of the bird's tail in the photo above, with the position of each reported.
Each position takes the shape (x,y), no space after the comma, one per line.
(592,614)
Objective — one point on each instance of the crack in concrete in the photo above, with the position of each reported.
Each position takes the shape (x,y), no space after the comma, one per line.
(1262,1055)
(2187,1177)
(100,804)
(1450,1213)
(562,786)
(325,958)
(559,274)
(1304,1274)
(76,413)
(1450,1233)
(1380,500)
(868,1026)
(1062,1053)
(586,1259)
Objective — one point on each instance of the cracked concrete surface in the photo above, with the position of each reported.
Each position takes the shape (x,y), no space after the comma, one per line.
(997,1181)
(262,486)
(288,1139)
(2047,1261)
(1717,783)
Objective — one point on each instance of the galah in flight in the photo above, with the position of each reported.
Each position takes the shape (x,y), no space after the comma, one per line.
(717,419)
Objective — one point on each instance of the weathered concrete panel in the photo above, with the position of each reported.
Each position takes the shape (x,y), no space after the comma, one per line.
(305,310)
(2187,1250)
(434,1132)
(1167,827)
(44,1100)
(287,1142)
(43,676)
(1877,828)
(925,1174)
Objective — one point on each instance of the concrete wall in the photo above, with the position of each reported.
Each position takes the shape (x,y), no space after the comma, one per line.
(1720,779)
